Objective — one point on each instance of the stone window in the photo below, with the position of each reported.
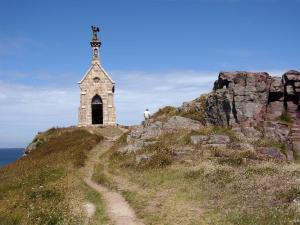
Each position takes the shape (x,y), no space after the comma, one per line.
(96,53)
(96,79)
(113,89)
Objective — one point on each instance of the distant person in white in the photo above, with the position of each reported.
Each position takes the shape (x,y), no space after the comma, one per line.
(147,116)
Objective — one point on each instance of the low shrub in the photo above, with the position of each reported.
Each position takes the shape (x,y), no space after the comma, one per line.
(159,159)
(211,130)
(284,117)
(194,174)
(165,113)
(233,161)
(79,158)
(289,195)
(269,216)
(262,171)
(220,176)
(10,219)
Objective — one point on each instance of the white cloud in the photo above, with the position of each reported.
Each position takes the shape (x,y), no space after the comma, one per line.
(137,91)
(27,109)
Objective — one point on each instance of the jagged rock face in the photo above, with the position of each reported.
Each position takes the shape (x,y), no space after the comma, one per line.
(238,97)
(250,98)
(276,99)
(251,103)
(291,81)
(245,100)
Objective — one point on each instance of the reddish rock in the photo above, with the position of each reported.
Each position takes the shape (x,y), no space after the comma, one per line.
(271,152)
(276,131)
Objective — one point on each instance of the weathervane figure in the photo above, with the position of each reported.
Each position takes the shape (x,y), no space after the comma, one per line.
(96,91)
(95,30)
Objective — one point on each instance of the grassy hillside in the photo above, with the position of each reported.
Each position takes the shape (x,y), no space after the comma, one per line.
(168,182)
(184,184)
(44,187)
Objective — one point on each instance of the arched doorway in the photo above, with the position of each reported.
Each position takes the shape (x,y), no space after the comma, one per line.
(97,110)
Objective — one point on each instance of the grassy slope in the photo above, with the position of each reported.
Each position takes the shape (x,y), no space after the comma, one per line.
(205,186)
(44,187)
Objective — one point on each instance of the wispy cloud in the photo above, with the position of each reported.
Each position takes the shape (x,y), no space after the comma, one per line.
(27,109)
(138,90)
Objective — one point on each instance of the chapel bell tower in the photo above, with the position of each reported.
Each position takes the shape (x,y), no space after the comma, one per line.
(96,91)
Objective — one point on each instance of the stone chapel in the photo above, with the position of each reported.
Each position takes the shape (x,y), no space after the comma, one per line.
(96,91)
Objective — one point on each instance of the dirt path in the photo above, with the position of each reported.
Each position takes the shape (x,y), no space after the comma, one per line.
(118,209)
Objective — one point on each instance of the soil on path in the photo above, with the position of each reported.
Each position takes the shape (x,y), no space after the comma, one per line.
(118,209)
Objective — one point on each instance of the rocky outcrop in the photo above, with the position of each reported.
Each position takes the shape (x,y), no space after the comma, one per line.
(247,100)
(215,140)
(238,97)
(255,105)
(252,98)
(272,152)
(144,135)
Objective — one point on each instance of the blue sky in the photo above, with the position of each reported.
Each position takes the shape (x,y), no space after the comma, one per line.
(159,52)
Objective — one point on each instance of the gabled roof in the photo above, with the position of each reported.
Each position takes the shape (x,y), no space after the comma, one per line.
(89,70)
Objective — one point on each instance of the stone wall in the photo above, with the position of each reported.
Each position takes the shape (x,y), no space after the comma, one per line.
(97,82)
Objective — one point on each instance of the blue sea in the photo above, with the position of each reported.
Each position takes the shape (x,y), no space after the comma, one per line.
(9,155)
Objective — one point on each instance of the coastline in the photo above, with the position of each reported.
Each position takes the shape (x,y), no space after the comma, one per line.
(10,155)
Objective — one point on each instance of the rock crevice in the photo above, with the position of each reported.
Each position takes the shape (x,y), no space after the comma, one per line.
(246,99)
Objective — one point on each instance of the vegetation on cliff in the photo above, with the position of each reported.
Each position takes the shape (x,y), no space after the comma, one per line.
(171,182)
(44,187)
(226,158)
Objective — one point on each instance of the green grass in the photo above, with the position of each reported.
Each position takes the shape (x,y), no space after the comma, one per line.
(43,187)
(212,130)
(261,171)
(290,194)
(198,114)
(218,186)
(164,113)
(101,178)
(285,118)
(100,217)
(266,142)
(264,217)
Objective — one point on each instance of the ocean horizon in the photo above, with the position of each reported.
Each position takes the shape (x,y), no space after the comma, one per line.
(9,155)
